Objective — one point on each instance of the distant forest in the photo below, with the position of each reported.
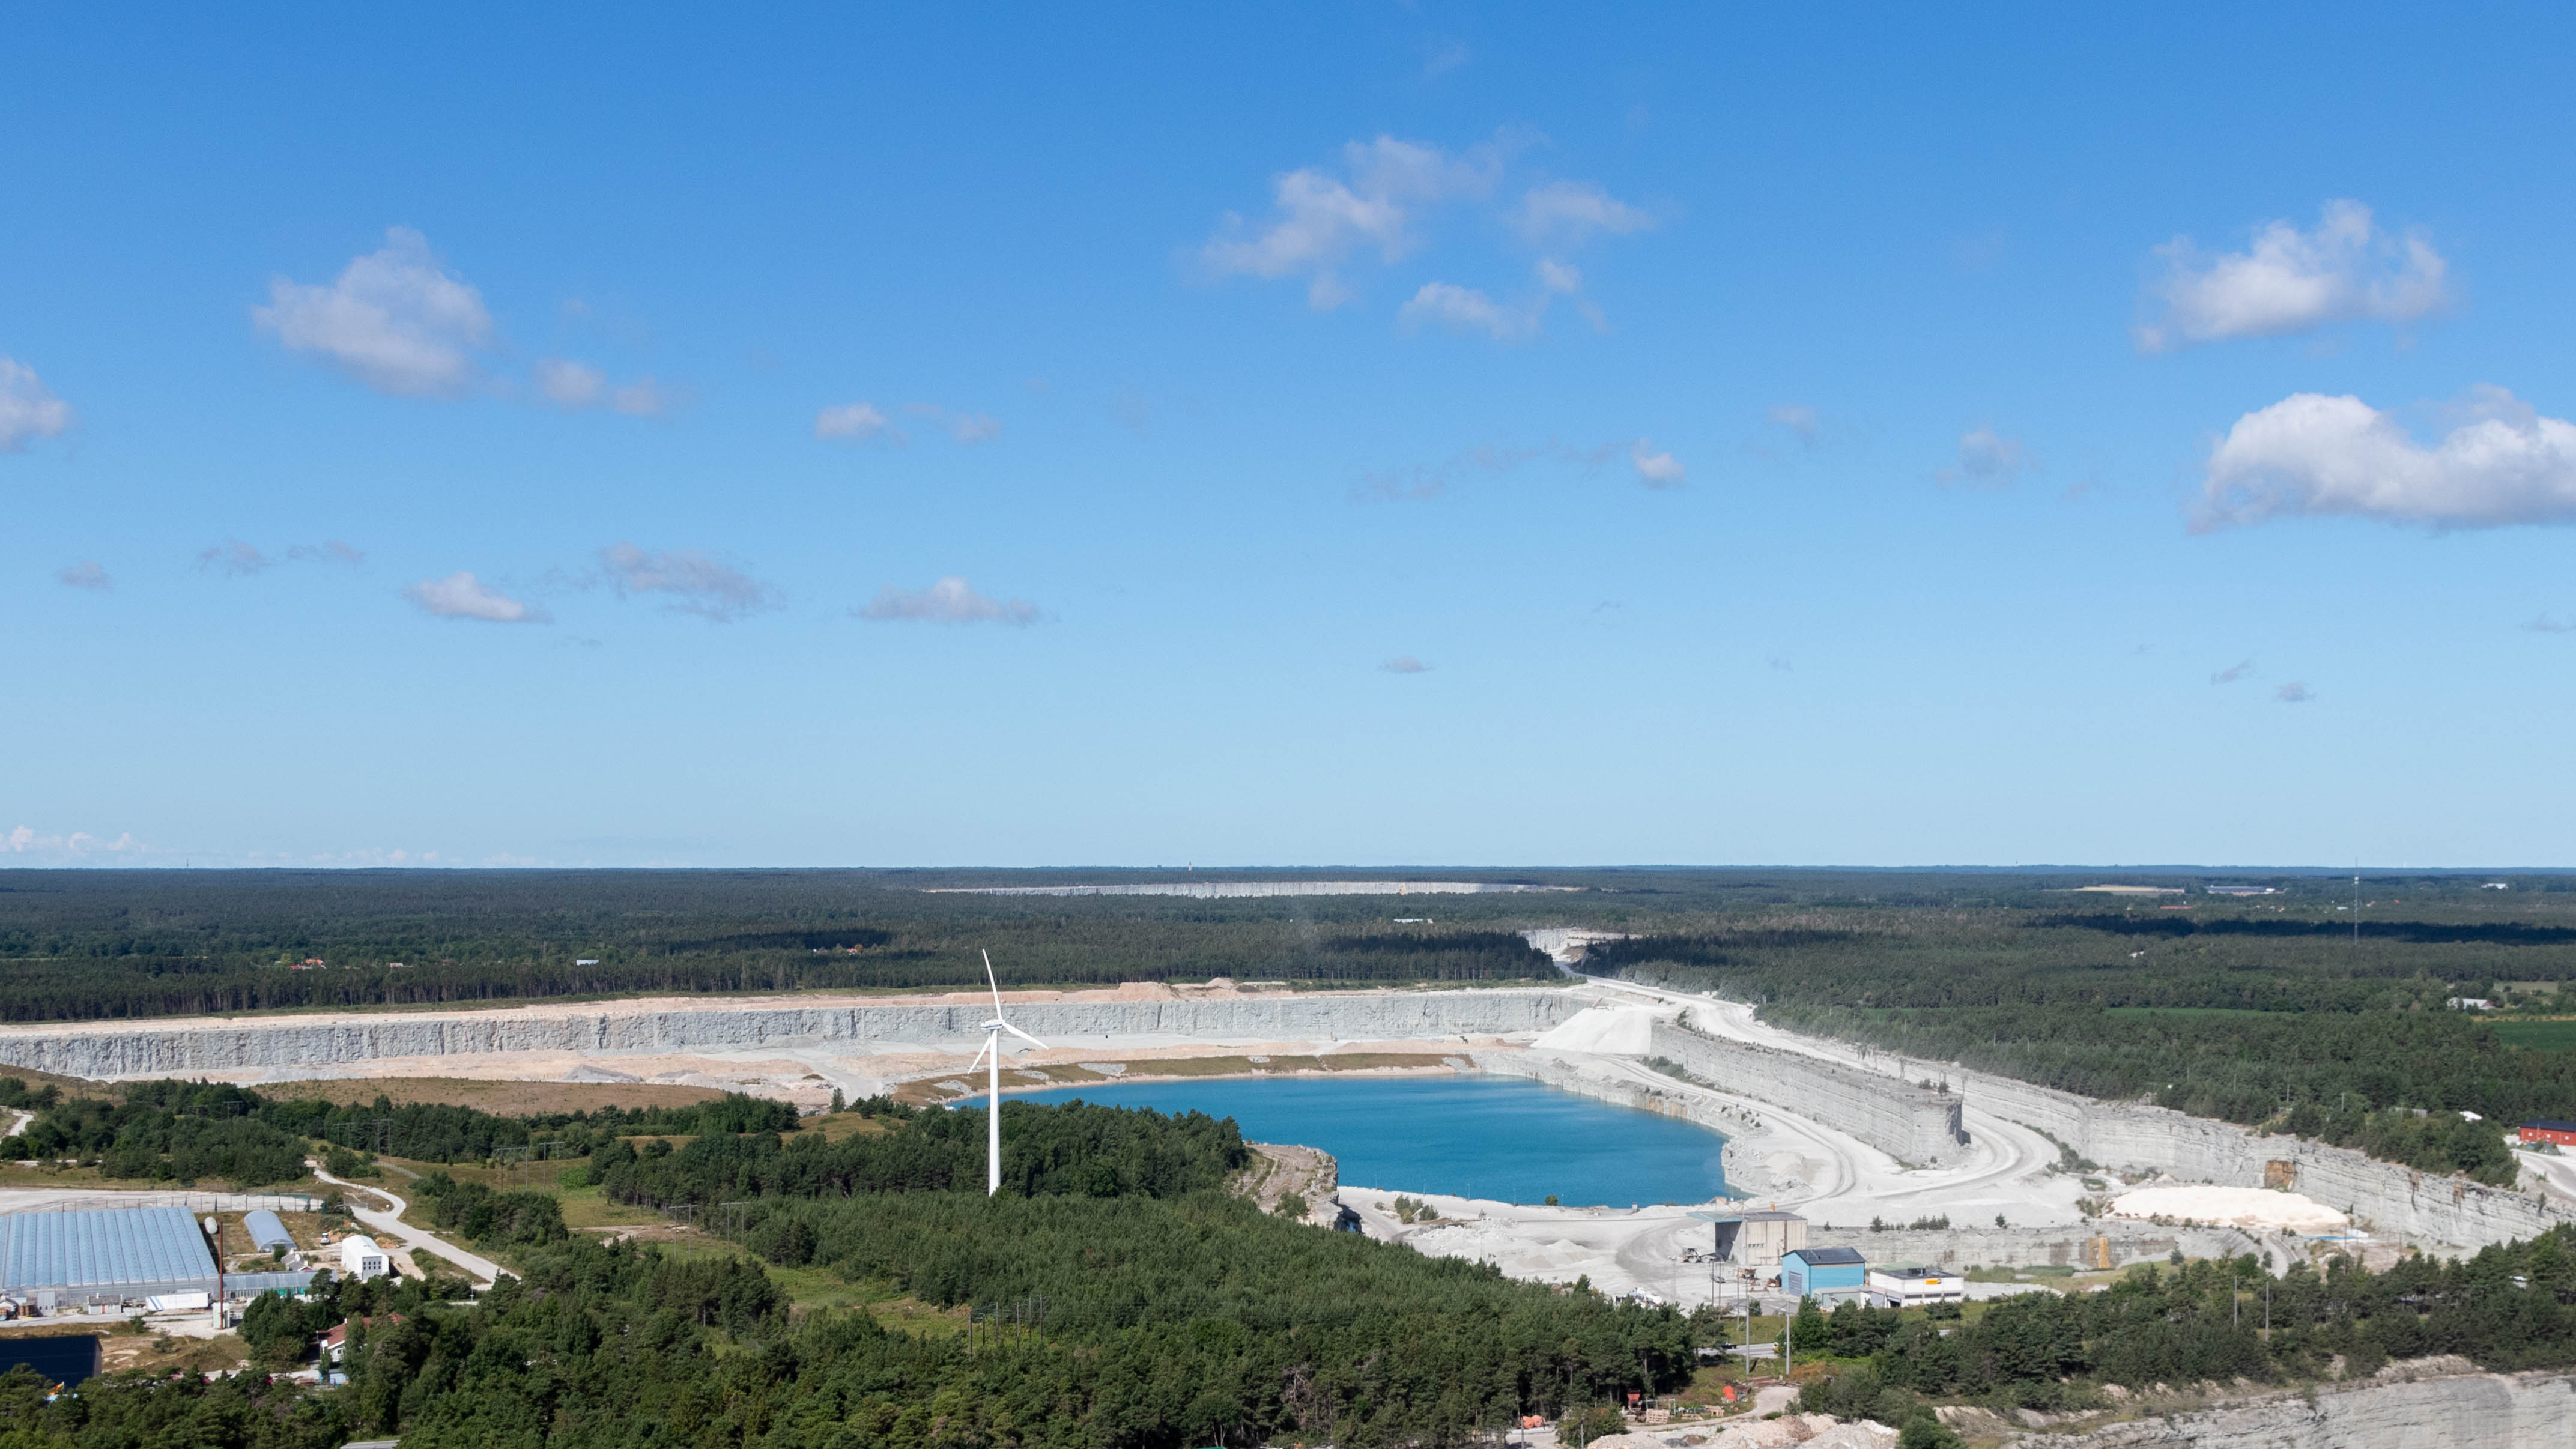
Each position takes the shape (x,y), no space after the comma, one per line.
(91,945)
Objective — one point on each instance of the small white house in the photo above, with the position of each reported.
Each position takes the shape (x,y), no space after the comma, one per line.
(361,1258)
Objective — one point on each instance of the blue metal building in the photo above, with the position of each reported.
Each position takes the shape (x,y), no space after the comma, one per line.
(1823,1272)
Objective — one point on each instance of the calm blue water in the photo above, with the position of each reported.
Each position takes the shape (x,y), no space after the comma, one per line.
(1506,1138)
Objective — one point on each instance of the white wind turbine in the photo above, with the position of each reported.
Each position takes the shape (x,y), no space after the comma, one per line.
(993,1096)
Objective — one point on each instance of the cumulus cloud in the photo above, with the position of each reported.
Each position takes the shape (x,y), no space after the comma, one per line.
(1569,213)
(1798,418)
(2313,454)
(2291,281)
(1656,470)
(2294,693)
(1405,664)
(697,583)
(1988,459)
(28,409)
(952,600)
(1463,309)
(849,420)
(2233,672)
(83,575)
(460,595)
(1319,219)
(395,319)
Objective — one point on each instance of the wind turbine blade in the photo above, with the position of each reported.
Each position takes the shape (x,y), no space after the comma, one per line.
(989,981)
(992,1043)
(1024,1036)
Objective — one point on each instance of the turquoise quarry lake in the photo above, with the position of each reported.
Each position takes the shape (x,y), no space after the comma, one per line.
(1505,1138)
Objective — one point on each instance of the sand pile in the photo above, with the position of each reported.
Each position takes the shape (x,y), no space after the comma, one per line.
(1624,1030)
(2259,1208)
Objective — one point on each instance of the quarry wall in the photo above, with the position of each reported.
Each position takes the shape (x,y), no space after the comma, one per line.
(2093,1246)
(2460,1411)
(1908,1122)
(2387,1197)
(128,1049)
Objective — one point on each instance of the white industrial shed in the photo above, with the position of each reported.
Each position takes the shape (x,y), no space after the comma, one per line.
(103,1255)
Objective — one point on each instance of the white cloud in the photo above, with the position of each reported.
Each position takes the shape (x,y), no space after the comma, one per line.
(233,557)
(967,428)
(849,420)
(952,600)
(1987,459)
(78,848)
(28,409)
(1556,276)
(394,319)
(460,595)
(1798,418)
(703,587)
(569,384)
(1405,664)
(573,385)
(2314,454)
(2544,624)
(1321,219)
(1657,470)
(83,575)
(2294,693)
(1568,213)
(238,559)
(644,398)
(2233,672)
(1463,309)
(2292,281)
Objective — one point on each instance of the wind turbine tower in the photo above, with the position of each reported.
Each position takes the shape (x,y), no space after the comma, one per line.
(993,1030)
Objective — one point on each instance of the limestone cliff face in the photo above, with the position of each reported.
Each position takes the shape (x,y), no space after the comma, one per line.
(2391,1198)
(1910,1123)
(2466,1411)
(142,1049)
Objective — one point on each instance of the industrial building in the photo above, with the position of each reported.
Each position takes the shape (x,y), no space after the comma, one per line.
(1911,1285)
(88,1256)
(361,1258)
(1823,1273)
(1755,1239)
(2549,1129)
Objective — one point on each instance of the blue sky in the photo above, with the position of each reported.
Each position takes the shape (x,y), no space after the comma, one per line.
(1371,434)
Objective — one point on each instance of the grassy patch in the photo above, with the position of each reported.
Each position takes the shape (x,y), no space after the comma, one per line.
(502,1099)
(2537,1036)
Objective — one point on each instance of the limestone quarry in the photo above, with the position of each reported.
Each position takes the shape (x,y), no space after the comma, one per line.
(1845,1137)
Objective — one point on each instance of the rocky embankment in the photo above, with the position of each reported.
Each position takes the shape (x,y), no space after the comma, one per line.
(2422,1405)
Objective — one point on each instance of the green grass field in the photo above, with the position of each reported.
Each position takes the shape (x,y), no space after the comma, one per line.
(2538,1036)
